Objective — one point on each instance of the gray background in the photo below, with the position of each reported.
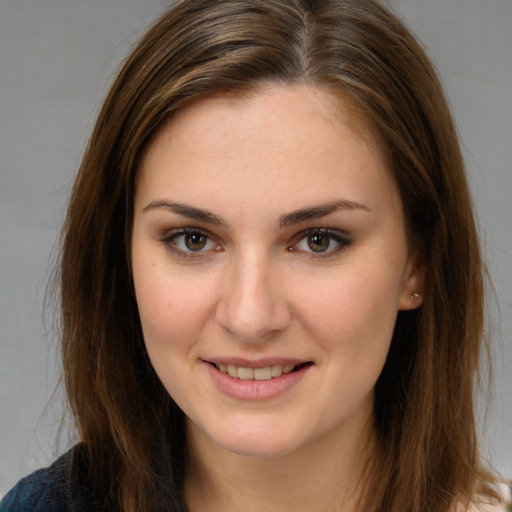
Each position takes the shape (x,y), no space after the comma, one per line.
(57,57)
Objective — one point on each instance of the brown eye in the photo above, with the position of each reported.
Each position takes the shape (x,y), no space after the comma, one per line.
(195,241)
(190,241)
(318,242)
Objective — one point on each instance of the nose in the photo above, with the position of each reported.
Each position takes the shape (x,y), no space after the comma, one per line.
(253,303)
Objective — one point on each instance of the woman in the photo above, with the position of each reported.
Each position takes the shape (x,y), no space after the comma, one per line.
(271,282)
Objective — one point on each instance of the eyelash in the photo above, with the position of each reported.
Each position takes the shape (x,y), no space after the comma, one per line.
(342,239)
(171,237)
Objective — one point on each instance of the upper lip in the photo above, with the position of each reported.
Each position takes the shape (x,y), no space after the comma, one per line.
(256,363)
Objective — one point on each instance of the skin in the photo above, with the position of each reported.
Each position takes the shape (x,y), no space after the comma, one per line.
(256,289)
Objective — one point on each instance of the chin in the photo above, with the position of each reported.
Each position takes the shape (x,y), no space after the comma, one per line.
(259,448)
(258,441)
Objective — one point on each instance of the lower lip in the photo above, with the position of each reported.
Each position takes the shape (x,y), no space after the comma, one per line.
(255,389)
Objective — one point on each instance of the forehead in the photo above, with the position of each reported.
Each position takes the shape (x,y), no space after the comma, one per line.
(295,145)
(316,102)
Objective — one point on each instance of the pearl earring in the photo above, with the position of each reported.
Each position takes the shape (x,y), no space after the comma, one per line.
(415,296)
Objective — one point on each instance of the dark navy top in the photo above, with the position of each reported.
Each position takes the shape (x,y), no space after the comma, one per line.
(52,489)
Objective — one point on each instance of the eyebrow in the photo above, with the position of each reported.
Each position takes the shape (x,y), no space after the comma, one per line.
(319,211)
(187,211)
(288,219)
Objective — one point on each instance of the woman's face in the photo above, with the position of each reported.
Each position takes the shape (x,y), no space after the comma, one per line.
(270,260)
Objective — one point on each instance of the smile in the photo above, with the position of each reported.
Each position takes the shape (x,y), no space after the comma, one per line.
(264,373)
(253,381)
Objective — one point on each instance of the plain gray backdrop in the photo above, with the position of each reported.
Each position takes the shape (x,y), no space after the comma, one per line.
(57,58)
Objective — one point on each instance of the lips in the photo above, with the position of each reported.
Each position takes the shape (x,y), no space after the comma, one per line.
(256,380)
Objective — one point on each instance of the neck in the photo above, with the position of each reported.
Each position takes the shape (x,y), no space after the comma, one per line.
(326,475)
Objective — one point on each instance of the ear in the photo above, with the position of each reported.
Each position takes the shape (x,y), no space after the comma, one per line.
(413,281)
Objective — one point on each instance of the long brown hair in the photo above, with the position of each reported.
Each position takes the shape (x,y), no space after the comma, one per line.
(132,433)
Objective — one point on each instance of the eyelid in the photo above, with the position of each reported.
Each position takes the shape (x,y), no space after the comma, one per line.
(170,235)
(342,238)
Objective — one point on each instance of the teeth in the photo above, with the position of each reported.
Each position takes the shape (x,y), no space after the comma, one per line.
(245,373)
(276,371)
(262,373)
(265,373)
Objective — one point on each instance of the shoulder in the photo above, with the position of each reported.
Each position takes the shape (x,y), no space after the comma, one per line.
(42,491)
(52,489)
(504,505)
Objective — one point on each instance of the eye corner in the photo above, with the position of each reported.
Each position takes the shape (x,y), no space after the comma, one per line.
(303,242)
(190,243)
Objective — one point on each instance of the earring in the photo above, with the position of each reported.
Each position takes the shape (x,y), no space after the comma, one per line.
(415,296)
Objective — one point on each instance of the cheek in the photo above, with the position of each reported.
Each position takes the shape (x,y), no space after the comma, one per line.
(352,311)
(172,306)
(172,316)
(169,309)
